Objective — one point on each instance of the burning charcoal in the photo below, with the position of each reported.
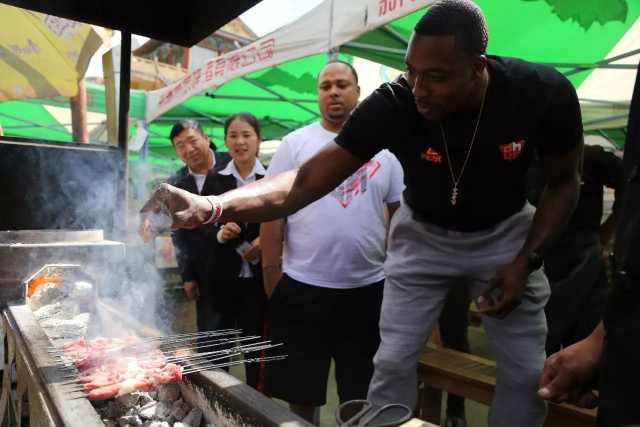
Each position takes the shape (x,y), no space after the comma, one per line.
(143,397)
(179,409)
(194,418)
(129,420)
(155,410)
(128,400)
(66,328)
(168,392)
(163,410)
(148,411)
(113,410)
(45,294)
(59,310)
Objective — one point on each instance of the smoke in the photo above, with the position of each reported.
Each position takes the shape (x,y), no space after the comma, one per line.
(48,187)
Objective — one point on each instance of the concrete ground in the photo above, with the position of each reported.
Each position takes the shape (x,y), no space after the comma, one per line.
(183,320)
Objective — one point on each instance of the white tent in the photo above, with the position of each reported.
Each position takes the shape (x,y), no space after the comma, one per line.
(343,22)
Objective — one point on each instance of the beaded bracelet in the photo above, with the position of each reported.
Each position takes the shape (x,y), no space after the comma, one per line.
(216,209)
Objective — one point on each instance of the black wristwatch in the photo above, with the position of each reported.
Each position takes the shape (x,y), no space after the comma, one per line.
(534,261)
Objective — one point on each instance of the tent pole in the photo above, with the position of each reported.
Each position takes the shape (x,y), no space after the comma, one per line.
(606,61)
(120,219)
(395,34)
(605,119)
(257,98)
(585,67)
(375,48)
(206,116)
(78,107)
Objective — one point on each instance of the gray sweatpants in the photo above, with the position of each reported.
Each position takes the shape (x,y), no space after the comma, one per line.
(423,261)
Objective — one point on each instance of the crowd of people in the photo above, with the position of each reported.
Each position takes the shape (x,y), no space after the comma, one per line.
(455,183)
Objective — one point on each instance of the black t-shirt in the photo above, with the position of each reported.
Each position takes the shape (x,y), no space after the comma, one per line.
(527,107)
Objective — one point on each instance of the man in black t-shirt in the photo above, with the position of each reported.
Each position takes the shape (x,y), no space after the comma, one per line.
(612,347)
(464,126)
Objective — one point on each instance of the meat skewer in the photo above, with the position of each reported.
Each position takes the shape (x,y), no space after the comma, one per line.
(84,358)
(171,374)
(110,367)
(162,339)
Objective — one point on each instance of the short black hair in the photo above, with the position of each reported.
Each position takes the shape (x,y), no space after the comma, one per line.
(188,124)
(339,61)
(461,18)
(185,124)
(248,118)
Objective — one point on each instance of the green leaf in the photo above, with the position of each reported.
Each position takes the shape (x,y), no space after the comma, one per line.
(587,12)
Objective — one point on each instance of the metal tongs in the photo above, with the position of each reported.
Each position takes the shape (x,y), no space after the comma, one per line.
(364,413)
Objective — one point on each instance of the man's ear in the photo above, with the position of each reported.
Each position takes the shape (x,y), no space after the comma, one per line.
(479,64)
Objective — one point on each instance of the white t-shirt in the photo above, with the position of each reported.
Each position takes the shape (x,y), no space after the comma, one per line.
(339,240)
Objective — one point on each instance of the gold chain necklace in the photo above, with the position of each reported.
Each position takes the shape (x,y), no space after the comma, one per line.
(454,190)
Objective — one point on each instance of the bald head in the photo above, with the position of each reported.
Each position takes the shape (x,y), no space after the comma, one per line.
(338,94)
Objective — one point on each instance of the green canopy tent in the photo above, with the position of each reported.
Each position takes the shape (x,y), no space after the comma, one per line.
(571,34)
(575,36)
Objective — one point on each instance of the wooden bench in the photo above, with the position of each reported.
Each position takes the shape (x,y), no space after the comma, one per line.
(475,378)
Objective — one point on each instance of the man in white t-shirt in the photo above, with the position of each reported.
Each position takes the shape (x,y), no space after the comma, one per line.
(326,283)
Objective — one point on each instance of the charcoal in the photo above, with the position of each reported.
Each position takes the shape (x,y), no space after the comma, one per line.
(148,411)
(194,418)
(129,420)
(179,409)
(143,397)
(113,410)
(128,400)
(168,392)
(163,410)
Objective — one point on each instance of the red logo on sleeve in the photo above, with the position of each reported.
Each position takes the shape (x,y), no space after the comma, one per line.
(512,150)
(431,155)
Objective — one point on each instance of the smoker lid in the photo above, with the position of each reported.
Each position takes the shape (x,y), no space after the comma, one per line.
(184,23)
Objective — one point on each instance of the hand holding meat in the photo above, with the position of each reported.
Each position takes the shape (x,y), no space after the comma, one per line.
(185,210)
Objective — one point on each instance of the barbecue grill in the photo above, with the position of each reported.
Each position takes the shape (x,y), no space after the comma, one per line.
(35,390)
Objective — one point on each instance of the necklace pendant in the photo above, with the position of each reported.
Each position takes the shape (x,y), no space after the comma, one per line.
(454,195)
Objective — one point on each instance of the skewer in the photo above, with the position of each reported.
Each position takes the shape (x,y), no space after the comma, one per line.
(238,362)
(169,339)
(81,393)
(198,358)
(67,360)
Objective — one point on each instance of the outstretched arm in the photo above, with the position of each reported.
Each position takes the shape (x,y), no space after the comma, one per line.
(288,192)
(265,200)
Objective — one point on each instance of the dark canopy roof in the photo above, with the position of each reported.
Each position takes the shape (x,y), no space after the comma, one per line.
(184,23)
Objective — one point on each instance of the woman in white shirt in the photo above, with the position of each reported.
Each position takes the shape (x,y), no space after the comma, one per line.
(237,256)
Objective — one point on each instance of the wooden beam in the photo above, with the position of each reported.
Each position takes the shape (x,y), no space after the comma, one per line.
(78,106)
